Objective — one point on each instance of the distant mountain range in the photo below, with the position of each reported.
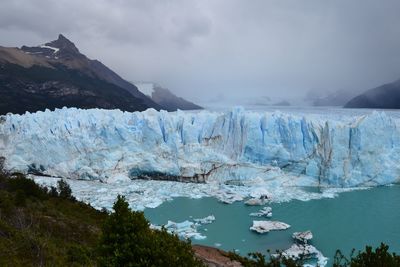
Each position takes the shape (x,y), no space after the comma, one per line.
(56,74)
(165,97)
(386,96)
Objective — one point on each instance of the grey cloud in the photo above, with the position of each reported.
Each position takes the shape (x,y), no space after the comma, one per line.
(230,47)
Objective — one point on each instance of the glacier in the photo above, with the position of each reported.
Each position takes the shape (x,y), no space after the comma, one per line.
(228,147)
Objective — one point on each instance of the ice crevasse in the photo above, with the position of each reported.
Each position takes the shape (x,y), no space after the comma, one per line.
(203,146)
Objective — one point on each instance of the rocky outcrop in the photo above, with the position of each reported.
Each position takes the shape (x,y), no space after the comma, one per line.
(213,257)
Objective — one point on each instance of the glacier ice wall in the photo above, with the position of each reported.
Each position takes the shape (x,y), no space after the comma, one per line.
(203,146)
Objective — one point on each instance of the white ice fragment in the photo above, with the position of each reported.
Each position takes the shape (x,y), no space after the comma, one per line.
(305,251)
(302,237)
(264,212)
(267,226)
(255,202)
(206,220)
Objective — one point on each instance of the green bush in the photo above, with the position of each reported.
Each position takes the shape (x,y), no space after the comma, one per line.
(260,260)
(27,186)
(127,240)
(380,257)
(64,190)
(78,255)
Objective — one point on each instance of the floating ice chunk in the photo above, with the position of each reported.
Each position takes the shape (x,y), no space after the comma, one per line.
(228,197)
(256,201)
(305,251)
(266,226)
(264,212)
(206,220)
(186,229)
(302,237)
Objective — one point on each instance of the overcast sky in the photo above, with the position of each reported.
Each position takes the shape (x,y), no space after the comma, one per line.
(200,49)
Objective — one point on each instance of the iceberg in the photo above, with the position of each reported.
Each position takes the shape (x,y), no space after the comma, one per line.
(262,227)
(301,250)
(264,212)
(206,220)
(111,146)
(302,237)
(255,202)
(304,252)
(186,229)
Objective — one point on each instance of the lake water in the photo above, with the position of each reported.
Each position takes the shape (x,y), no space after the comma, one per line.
(351,220)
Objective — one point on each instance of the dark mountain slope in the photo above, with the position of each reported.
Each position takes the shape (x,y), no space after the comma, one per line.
(386,97)
(38,87)
(171,102)
(65,52)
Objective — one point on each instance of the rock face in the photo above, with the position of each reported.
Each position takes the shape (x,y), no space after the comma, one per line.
(204,146)
(56,74)
(213,257)
(262,227)
(385,97)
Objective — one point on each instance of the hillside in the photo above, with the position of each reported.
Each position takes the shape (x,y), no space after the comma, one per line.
(386,96)
(48,227)
(165,98)
(56,74)
(171,102)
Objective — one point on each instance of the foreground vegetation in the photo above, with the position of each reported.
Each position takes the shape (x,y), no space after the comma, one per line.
(379,257)
(48,227)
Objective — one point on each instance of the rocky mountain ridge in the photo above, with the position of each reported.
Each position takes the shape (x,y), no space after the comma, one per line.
(57,74)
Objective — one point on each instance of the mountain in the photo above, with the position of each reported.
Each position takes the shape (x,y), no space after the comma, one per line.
(166,98)
(337,98)
(56,74)
(386,96)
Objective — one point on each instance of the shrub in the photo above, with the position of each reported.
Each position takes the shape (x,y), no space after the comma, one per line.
(64,190)
(368,258)
(260,260)
(127,240)
(78,255)
(27,186)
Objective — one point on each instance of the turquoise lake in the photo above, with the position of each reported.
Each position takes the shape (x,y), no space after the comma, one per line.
(351,220)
